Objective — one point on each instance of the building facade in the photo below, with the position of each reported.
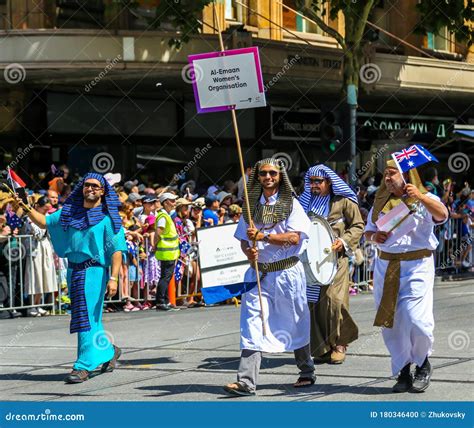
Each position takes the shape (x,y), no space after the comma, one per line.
(93,80)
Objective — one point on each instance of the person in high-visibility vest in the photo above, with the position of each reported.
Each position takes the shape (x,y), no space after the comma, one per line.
(167,250)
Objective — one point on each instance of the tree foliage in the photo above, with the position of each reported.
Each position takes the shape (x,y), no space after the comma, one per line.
(183,15)
(457,15)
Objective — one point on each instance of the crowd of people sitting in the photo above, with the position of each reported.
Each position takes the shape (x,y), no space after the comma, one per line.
(34,278)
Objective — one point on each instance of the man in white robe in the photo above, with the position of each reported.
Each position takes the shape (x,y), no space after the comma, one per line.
(404,276)
(280,229)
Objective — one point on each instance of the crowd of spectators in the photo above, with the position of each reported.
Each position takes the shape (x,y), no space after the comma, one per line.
(33,277)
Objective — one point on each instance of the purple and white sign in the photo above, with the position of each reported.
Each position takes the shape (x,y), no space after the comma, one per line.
(227,80)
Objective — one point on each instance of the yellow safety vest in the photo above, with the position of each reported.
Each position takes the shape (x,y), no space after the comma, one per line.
(167,248)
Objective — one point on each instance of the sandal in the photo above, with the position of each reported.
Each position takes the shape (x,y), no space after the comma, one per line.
(238,388)
(304,382)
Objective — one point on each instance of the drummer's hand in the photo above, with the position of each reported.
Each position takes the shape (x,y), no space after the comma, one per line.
(253,234)
(380,237)
(252,254)
(337,245)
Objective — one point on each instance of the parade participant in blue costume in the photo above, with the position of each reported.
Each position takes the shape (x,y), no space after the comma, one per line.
(88,232)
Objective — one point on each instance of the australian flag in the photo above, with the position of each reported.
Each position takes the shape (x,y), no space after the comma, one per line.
(179,270)
(413,157)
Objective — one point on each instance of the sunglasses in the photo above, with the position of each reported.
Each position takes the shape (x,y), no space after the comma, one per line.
(264,173)
(316,180)
(93,186)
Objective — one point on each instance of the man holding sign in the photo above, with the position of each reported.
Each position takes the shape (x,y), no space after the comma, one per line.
(404,271)
(280,229)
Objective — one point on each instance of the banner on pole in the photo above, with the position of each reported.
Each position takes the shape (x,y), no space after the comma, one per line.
(228,80)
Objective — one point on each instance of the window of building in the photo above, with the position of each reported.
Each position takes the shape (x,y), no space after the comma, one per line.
(82,14)
(236,12)
(230,10)
(295,22)
(381,18)
(4,21)
(440,41)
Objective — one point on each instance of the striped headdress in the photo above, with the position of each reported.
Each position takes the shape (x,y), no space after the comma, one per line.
(320,204)
(282,208)
(76,216)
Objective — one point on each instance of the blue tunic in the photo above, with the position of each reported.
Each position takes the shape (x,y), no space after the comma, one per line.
(98,242)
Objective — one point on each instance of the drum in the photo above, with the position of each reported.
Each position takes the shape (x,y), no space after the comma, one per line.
(319,261)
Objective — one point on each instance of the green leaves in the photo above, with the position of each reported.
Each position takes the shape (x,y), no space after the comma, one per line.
(184,16)
(453,14)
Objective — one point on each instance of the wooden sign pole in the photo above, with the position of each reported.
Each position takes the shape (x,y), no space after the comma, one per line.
(242,171)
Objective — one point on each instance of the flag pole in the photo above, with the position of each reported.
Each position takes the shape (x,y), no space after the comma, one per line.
(15,195)
(398,166)
(242,171)
(13,192)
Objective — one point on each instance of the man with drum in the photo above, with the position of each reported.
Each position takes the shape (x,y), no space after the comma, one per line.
(332,328)
(280,230)
(404,275)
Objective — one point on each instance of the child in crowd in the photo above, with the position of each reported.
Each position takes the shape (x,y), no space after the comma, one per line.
(134,271)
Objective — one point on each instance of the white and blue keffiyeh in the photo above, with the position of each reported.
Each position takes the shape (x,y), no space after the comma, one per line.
(320,204)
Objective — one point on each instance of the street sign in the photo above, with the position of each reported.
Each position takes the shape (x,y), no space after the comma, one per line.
(228,80)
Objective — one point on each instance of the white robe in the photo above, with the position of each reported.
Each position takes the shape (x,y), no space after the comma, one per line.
(411,338)
(285,307)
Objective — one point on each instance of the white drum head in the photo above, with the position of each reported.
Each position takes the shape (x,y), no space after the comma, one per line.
(320,262)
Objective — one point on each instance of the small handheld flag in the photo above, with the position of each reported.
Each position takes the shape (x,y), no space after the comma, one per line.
(179,270)
(412,157)
(18,185)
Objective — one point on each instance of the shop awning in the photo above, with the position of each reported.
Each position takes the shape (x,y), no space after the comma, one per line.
(465,132)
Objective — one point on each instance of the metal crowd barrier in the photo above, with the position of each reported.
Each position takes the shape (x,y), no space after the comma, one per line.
(452,248)
(16,258)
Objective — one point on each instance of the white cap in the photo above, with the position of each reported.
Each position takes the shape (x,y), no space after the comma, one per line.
(167,195)
(113,178)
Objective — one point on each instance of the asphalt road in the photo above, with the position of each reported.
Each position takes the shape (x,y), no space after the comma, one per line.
(189,355)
